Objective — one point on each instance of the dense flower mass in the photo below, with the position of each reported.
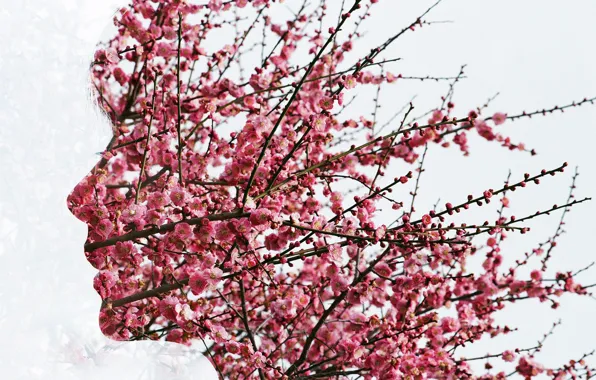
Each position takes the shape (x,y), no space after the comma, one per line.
(218,212)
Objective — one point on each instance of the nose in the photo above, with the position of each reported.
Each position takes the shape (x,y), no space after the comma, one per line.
(83,200)
(75,201)
(80,201)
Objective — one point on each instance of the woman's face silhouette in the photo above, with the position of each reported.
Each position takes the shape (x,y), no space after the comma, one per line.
(135,197)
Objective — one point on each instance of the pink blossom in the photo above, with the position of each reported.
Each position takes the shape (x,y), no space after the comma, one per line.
(383,269)
(206,233)
(319,123)
(156,200)
(536,275)
(104,228)
(260,216)
(215,5)
(271,244)
(178,197)
(198,283)
(449,324)
(164,49)
(326,103)
(499,118)
(339,283)
(284,308)
(111,55)
(133,212)
(258,360)
(183,230)
(232,347)
(508,356)
(529,368)
(219,334)
(104,282)
(350,82)
(175,335)
(169,307)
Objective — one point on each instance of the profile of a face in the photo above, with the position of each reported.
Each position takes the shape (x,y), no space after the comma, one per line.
(148,194)
(159,225)
(196,195)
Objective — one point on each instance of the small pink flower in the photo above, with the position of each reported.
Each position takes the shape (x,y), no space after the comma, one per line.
(491,242)
(391,78)
(258,360)
(112,55)
(505,201)
(178,197)
(437,116)
(223,232)
(536,275)
(124,249)
(508,356)
(104,228)
(383,269)
(449,324)
(156,200)
(350,82)
(210,106)
(183,230)
(303,300)
(198,283)
(283,308)
(168,307)
(332,270)
(169,32)
(380,232)
(339,284)
(367,77)
(499,118)
(206,233)
(326,103)
(175,335)
(335,252)
(103,283)
(319,123)
(215,5)
(232,348)
(273,243)
(220,335)
(196,207)
(154,217)
(133,212)
(528,368)
(214,275)
(249,101)
(354,297)
(260,216)
(164,49)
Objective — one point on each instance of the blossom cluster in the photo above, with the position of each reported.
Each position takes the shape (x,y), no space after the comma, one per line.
(270,264)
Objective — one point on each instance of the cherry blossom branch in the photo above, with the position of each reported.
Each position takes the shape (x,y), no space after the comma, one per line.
(292,98)
(161,229)
(144,161)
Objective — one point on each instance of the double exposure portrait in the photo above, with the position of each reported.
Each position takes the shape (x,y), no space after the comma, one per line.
(265,196)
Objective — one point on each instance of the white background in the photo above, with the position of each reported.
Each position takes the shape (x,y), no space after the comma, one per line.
(536,53)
